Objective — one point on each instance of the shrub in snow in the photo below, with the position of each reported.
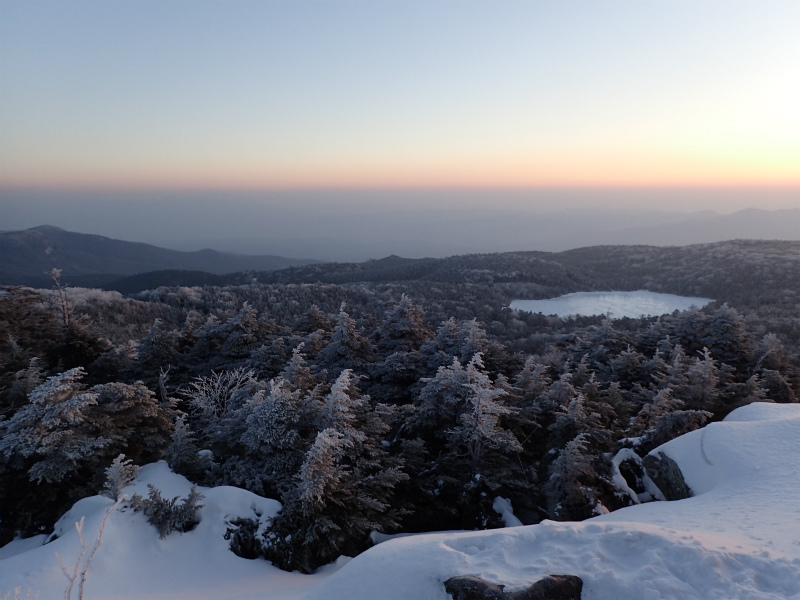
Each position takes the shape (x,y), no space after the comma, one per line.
(247,537)
(169,515)
(118,476)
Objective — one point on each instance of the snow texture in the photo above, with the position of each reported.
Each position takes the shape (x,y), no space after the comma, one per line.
(738,537)
(614,304)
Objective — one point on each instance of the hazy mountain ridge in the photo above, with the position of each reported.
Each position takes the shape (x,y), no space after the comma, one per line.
(27,256)
(440,233)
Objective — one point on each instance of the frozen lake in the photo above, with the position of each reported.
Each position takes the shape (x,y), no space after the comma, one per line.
(615,304)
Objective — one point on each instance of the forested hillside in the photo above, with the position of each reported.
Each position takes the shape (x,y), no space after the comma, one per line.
(94,260)
(391,395)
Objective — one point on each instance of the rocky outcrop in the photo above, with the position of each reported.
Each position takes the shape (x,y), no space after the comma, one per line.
(468,587)
(666,474)
(552,587)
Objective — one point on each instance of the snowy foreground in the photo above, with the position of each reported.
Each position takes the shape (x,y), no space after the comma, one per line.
(739,537)
(614,304)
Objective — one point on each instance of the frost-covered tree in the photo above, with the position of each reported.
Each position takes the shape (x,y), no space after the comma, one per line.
(663,419)
(573,420)
(131,415)
(297,373)
(710,384)
(313,320)
(395,380)
(181,453)
(479,427)
(673,372)
(66,436)
(398,340)
(245,332)
(559,394)
(344,406)
(403,329)
(571,486)
(49,436)
(169,515)
(440,402)
(25,381)
(278,427)
(533,380)
(347,348)
(344,486)
(629,367)
(462,341)
(214,395)
(779,377)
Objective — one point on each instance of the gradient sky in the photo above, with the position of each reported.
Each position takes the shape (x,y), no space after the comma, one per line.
(264,95)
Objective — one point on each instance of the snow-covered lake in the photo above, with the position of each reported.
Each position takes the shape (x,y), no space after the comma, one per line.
(615,304)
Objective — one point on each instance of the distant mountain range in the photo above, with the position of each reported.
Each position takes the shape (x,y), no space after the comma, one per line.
(354,237)
(27,257)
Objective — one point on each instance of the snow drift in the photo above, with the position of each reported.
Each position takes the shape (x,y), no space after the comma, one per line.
(738,537)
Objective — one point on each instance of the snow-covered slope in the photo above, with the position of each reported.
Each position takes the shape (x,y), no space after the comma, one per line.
(739,537)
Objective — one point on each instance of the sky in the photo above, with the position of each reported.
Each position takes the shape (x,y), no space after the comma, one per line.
(436,94)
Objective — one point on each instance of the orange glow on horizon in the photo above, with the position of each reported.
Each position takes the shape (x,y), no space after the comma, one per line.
(610,172)
(564,169)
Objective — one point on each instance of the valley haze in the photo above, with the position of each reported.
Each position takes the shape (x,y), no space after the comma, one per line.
(360,225)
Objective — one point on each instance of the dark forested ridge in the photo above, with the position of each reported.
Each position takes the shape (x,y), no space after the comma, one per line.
(93,260)
(391,395)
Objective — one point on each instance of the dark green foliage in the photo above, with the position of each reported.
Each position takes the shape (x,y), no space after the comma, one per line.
(63,439)
(169,515)
(344,487)
(245,539)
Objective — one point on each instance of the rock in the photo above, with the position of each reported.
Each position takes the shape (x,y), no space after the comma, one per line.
(552,587)
(666,474)
(469,587)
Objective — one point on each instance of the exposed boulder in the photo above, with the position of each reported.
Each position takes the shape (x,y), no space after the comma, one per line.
(552,587)
(469,587)
(666,474)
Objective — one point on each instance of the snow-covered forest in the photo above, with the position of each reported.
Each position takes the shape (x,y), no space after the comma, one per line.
(364,408)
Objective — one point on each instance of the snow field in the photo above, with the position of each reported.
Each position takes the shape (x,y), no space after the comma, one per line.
(614,304)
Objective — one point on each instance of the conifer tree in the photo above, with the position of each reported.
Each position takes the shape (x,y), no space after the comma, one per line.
(347,349)
(344,486)
(403,329)
(479,426)
(570,486)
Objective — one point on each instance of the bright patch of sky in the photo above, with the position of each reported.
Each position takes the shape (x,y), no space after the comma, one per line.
(249,94)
